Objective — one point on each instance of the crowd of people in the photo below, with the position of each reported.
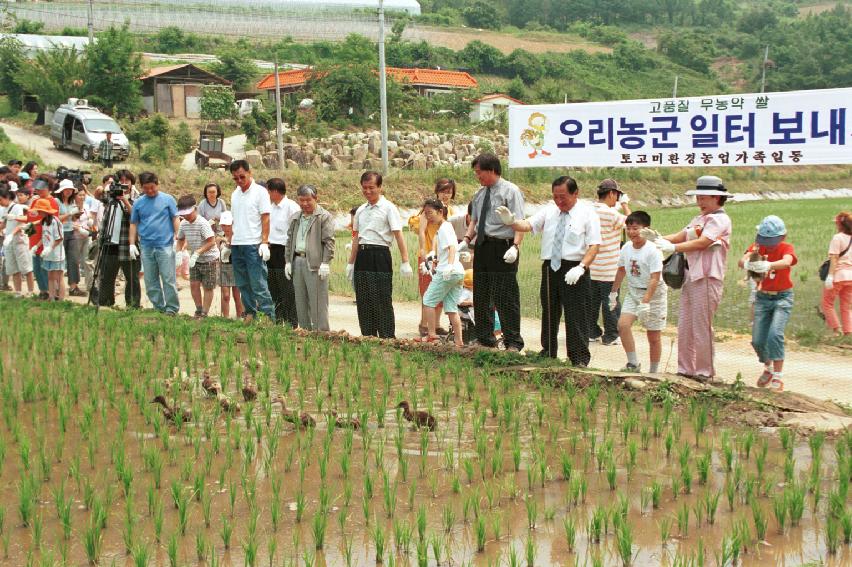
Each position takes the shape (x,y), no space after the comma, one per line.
(271,255)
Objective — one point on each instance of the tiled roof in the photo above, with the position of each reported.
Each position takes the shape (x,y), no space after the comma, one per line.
(414,77)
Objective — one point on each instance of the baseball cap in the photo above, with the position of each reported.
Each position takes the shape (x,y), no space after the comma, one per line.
(770,231)
(608,185)
(39,184)
(24,176)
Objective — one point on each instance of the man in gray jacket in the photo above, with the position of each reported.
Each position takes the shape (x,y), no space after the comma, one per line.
(309,254)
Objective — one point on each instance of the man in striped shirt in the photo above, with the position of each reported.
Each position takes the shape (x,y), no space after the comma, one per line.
(605,265)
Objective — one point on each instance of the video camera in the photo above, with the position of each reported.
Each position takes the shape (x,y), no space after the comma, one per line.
(77,176)
(114,190)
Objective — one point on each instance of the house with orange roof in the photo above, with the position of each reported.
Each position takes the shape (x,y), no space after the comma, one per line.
(427,82)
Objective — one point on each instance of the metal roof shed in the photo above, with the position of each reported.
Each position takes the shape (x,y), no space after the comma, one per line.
(176,90)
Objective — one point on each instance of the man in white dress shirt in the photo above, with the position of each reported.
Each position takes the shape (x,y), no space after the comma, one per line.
(571,235)
(281,211)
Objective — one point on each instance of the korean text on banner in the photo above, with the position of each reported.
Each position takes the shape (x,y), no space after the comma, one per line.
(792,128)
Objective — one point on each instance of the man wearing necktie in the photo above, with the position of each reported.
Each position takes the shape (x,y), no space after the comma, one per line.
(495,263)
(571,235)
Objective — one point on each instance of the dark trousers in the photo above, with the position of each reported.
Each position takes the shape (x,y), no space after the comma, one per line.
(374,292)
(495,285)
(556,297)
(280,288)
(106,280)
(598,303)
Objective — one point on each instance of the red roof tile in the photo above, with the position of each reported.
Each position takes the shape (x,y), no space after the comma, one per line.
(414,77)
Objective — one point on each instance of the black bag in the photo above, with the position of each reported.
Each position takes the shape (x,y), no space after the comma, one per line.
(823,268)
(674,270)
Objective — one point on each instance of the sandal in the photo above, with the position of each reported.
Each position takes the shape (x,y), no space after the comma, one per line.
(765,378)
(428,339)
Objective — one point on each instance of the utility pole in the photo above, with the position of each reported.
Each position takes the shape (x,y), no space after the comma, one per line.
(383,87)
(91,23)
(763,74)
(674,90)
(279,130)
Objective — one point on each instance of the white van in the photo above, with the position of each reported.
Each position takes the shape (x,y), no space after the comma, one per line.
(78,127)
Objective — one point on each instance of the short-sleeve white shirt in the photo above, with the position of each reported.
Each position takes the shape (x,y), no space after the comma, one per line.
(444,239)
(279,220)
(375,224)
(247,208)
(640,263)
(583,229)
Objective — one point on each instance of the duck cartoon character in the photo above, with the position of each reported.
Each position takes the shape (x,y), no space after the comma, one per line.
(533,137)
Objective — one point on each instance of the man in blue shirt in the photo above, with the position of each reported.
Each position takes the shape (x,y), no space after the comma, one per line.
(155,221)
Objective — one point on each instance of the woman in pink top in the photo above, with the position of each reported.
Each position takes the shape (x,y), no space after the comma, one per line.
(839,280)
(705,242)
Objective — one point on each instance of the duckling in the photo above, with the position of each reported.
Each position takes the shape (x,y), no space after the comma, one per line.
(351,423)
(304,419)
(754,257)
(212,387)
(227,404)
(172,414)
(419,418)
(249,391)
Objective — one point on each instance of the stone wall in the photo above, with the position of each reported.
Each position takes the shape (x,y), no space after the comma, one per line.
(362,150)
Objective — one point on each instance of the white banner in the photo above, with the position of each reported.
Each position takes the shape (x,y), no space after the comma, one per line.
(792,128)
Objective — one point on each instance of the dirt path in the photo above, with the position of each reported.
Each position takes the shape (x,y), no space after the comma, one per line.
(43,147)
(535,43)
(822,375)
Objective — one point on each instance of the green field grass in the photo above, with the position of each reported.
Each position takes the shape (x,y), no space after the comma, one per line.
(810,227)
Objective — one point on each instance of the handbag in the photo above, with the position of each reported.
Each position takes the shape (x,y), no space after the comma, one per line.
(824,267)
(674,270)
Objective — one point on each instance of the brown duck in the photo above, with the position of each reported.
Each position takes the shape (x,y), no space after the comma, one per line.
(249,391)
(303,420)
(342,422)
(212,387)
(227,404)
(418,418)
(170,413)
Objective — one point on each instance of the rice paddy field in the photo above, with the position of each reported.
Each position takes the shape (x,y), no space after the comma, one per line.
(810,226)
(244,463)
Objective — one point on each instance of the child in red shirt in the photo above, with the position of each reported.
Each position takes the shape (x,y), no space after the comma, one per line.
(774,300)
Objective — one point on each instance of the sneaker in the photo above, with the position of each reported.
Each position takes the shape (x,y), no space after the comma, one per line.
(776,385)
(765,378)
(632,368)
(77,292)
(703,378)
(614,342)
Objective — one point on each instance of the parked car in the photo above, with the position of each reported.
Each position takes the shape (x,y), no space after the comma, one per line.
(78,127)
(245,106)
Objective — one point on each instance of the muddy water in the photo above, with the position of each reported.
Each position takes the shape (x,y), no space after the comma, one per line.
(430,469)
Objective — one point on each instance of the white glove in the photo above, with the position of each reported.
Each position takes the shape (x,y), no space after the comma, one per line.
(624,199)
(193,259)
(179,258)
(666,247)
(225,253)
(511,255)
(829,282)
(83,232)
(263,251)
(405,270)
(464,256)
(758,266)
(323,272)
(350,272)
(573,275)
(463,246)
(613,300)
(133,251)
(649,234)
(643,309)
(34,250)
(506,216)
(288,271)
(8,240)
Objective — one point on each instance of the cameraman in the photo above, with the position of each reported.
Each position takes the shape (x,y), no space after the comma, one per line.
(115,247)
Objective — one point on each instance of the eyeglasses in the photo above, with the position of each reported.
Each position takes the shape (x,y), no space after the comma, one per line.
(240,177)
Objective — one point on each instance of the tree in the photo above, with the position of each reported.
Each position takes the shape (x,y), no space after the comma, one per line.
(173,39)
(54,76)
(11,62)
(526,65)
(345,90)
(182,139)
(481,14)
(236,66)
(217,102)
(113,71)
(482,58)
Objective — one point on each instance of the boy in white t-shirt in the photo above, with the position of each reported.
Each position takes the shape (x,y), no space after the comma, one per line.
(641,264)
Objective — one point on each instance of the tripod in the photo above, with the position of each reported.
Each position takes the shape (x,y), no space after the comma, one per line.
(104,240)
